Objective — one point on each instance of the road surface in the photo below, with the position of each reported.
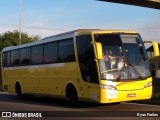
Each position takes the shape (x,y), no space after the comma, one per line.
(61,108)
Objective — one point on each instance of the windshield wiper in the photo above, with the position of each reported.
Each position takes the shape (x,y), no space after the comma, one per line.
(135,70)
(130,65)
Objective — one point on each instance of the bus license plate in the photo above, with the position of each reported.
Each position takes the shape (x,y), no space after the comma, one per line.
(131,95)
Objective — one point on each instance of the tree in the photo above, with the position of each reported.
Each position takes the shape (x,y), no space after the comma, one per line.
(12,39)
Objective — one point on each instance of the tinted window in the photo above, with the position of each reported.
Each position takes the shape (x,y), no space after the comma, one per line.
(15,57)
(50,52)
(112,39)
(37,54)
(66,51)
(86,59)
(6,59)
(25,56)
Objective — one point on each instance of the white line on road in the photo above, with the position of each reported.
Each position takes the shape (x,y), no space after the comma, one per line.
(142,104)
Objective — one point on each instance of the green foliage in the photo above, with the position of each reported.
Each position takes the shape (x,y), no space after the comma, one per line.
(12,39)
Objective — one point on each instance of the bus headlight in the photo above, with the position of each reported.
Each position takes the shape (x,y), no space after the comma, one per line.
(148,84)
(108,87)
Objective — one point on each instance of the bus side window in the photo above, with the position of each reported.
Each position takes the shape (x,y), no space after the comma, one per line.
(51,52)
(37,54)
(25,56)
(6,59)
(66,50)
(15,57)
(86,59)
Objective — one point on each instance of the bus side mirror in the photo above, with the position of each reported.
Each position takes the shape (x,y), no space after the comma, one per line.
(98,48)
(155,47)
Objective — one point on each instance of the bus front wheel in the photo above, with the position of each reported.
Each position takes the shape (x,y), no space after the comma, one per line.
(72,95)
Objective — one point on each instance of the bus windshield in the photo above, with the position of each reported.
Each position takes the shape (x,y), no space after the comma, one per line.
(124,57)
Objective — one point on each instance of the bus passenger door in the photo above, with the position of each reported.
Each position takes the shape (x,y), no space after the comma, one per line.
(88,69)
(92,81)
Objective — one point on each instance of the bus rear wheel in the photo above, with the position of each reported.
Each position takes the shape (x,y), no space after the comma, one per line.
(72,95)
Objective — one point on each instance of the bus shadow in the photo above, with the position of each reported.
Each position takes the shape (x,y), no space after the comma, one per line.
(46,101)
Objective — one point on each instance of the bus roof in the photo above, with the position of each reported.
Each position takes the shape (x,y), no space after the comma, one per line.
(61,35)
(91,31)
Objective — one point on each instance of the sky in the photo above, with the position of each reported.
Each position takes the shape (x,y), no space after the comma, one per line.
(49,17)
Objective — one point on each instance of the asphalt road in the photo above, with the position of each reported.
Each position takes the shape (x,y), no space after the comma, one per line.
(62,109)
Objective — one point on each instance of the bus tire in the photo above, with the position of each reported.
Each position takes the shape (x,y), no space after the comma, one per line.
(18,91)
(116,103)
(72,95)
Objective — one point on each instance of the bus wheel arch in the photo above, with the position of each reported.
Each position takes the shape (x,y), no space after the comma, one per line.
(18,90)
(72,94)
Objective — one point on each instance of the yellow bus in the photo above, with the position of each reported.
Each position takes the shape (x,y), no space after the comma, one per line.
(154,58)
(103,66)
(154,61)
